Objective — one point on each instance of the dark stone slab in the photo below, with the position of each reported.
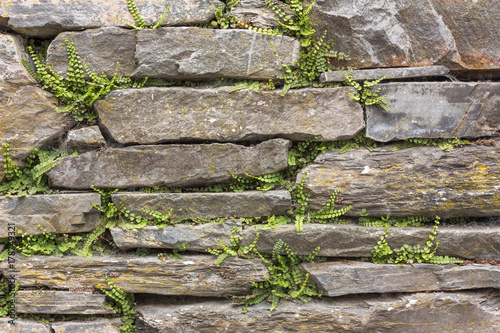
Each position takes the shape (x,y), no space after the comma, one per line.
(84,139)
(391,73)
(61,302)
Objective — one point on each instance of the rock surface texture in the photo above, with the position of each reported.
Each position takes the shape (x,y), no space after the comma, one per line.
(453,312)
(193,275)
(97,326)
(258,14)
(422,181)
(27,116)
(389,73)
(435,110)
(155,115)
(177,53)
(169,165)
(60,302)
(460,35)
(224,204)
(47,18)
(55,213)
(85,139)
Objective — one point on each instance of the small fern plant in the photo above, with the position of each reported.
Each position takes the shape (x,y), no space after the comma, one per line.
(234,249)
(139,21)
(122,303)
(364,94)
(444,144)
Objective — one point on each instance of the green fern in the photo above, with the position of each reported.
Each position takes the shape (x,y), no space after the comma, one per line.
(122,303)
(444,144)
(256,86)
(329,214)
(139,21)
(233,249)
(364,94)
(7,292)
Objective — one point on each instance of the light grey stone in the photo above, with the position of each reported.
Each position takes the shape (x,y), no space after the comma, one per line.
(84,139)
(421,181)
(60,302)
(258,14)
(194,237)
(223,204)
(435,110)
(193,275)
(391,73)
(154,115)
(96,326)
(23,326)
(338,278)
(338,240)
(460,35)
(415,313)
(169,165)
(55,213)
(27,116)
(47,18)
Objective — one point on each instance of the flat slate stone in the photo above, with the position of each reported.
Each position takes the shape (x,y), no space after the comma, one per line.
(169,165)
(96,326)
(458,312)
(155,115)
(196,237)
(223,204)
(435,110)
(177,53)
(27,116)
(338,278)
(46,18)
(193,275)
(391,73)
(23,326)
(457,34)
(55,213)
(338,240)
(60,302)
(421,181)
(84,139)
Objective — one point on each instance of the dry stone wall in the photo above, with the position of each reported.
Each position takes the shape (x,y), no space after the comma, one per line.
(212,176)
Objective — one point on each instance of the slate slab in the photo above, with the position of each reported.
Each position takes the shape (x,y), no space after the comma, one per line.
(391,73)
(84,139)
(169,165)
(96,326)
(23,326)
(154,115)
(420,181)
(435,110)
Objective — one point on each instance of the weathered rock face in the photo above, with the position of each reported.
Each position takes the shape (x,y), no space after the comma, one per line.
(180,53)
(412,33)
(61,302)
(55,213)
(45,19)
(458,110)
(84,139)
(27,116)
(170,165)
(258,14)
(338,278)
(97,326)
(194,237)
(224,204)
(153,115)
(422,312)
(22,326)
(391,73)
(194,275)
(422,181)
(357,241)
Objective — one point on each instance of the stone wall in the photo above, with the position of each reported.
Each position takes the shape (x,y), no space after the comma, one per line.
(189,140)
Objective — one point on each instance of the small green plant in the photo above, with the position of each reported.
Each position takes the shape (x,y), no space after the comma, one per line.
(364,94)
(31,179)
(410,254)
(175,253)
(139,21)
(329,214)
(444,144)
(234,249)
(286,280)
(399,222)
(122,303)
(256,86)
(142,252)
(7,294)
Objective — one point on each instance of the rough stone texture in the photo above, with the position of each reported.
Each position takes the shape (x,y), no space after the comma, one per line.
(379,33)
(27,117)
(391,73)
(170,165)
(421,181)
(194,275)
(338,278)
(177,53)
(416,313)
(458,110)
(357,241)
(84,139)
(224,204)
(47,18)
(154,115)
(60,302)
(23,326)
(56,213)
(258,14)
(2,247)
(96,326)
(196,237)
